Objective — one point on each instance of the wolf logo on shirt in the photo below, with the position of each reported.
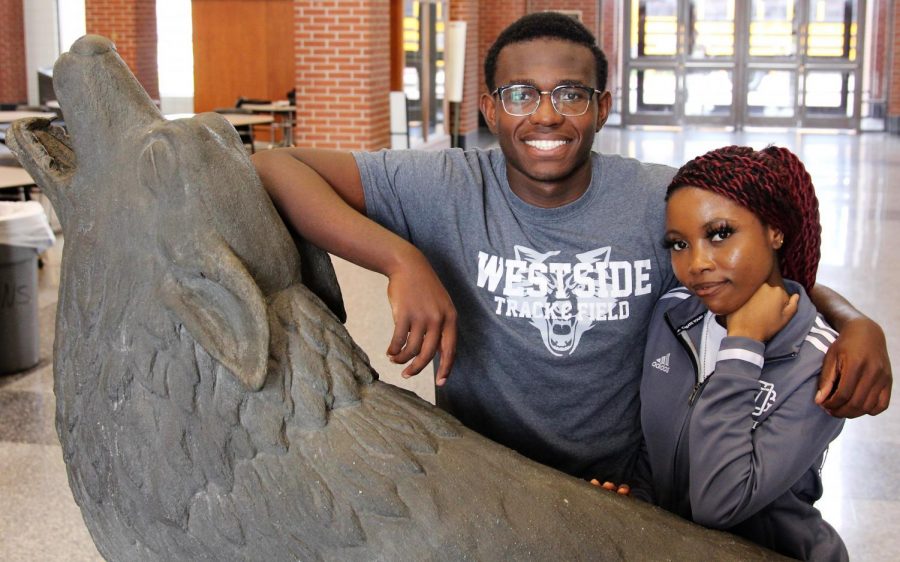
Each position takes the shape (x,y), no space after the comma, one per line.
(562,299)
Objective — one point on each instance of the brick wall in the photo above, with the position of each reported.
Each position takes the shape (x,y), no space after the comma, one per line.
(131,25)
(894,85)
(13,83)
(588,9)
(608,40)
(342,73)
(879,37)
(494,17)
(467,11)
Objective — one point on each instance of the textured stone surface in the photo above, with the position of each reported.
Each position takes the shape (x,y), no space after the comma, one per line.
(210,406)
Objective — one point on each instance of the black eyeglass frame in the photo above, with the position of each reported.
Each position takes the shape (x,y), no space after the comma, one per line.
(541,93)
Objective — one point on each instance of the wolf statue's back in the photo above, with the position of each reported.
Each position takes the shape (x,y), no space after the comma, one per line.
(211,406)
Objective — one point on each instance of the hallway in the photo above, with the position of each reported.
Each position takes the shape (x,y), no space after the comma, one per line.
(861,222)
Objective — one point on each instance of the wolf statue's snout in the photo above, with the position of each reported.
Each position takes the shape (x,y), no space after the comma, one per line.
(92,45)
(211,407)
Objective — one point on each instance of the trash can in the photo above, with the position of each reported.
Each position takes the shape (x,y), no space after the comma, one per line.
(24,232)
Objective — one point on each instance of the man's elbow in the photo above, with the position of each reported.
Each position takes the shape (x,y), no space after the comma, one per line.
(266,164)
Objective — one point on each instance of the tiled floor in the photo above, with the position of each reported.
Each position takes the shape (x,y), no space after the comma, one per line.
(861,223)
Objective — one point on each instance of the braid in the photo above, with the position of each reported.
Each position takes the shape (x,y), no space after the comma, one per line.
(775,186)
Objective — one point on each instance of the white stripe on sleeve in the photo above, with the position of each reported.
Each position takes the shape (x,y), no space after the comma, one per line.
(823,325)
(675,294)
(818,344)
(741,354)
(829,337)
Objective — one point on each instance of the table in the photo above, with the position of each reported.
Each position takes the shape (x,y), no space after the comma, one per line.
(10,116)
(236,119)
(286,122)
(13,177)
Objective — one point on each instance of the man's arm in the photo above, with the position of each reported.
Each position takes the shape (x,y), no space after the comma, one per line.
(320,194)
(856,376)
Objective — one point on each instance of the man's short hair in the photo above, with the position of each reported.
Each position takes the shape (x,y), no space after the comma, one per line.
(544,25)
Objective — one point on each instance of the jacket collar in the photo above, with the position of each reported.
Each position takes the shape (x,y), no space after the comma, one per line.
(688,316)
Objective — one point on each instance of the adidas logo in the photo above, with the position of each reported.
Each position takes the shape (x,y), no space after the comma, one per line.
(662,363)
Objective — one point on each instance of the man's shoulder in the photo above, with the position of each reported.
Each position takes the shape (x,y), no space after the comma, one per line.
(631,172)
(432,160)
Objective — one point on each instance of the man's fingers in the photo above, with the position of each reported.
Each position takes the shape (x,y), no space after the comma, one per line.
(884,398)
(424,354)
(448,351)
(826,378)
(413,347)
(624,489)
(398,338)
(850,392)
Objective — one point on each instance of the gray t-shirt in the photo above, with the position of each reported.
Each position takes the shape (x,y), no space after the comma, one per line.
(553,304)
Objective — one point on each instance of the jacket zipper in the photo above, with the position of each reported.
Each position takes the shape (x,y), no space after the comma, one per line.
(688,345)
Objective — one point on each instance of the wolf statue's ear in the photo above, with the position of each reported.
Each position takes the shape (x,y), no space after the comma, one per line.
(223,309)
(207,287)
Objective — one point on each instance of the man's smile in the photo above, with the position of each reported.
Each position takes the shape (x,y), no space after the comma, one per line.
(546,144)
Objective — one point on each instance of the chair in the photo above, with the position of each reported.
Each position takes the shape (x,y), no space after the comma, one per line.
(242,100)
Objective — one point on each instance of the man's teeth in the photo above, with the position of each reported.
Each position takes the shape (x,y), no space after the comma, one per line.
(545,144)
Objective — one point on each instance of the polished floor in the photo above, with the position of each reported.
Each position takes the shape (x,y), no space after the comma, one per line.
(861,223)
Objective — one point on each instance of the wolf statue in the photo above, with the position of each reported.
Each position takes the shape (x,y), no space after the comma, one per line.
(210,406)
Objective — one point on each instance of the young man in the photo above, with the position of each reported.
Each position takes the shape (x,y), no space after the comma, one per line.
(548,255)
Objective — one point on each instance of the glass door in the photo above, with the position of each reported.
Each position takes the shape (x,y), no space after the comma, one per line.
(832,68)
(650,92)
(772,52)
(423,72)
(743,62)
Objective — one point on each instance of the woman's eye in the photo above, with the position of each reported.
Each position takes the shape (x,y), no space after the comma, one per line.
(721,234)
(675,245)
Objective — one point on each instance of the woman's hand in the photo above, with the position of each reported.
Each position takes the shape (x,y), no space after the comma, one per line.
(764,314)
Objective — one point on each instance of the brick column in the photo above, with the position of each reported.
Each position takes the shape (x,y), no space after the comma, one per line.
(467,11)
(609,41)
(342,73)
(131,25)
(588,9)
(13,83)
(494,17)
(893,109)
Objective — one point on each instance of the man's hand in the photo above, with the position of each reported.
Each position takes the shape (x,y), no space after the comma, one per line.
(424,318)
(621,489)
(856,375)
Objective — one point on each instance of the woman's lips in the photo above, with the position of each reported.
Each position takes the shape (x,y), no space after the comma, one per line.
(708,289)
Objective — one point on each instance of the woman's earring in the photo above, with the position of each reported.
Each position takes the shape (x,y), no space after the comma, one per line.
(778,243)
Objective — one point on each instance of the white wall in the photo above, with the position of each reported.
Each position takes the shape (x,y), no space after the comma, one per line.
(175,55)
(72,23)
(41,40)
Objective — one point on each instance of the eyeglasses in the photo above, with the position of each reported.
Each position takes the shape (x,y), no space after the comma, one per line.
(520,100)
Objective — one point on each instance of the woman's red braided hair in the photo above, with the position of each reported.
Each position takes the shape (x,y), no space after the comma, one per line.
(774,185)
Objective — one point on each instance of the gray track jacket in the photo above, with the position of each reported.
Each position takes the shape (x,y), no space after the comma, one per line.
(743,450)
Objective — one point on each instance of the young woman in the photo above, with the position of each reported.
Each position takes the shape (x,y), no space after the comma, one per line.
(734,439)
